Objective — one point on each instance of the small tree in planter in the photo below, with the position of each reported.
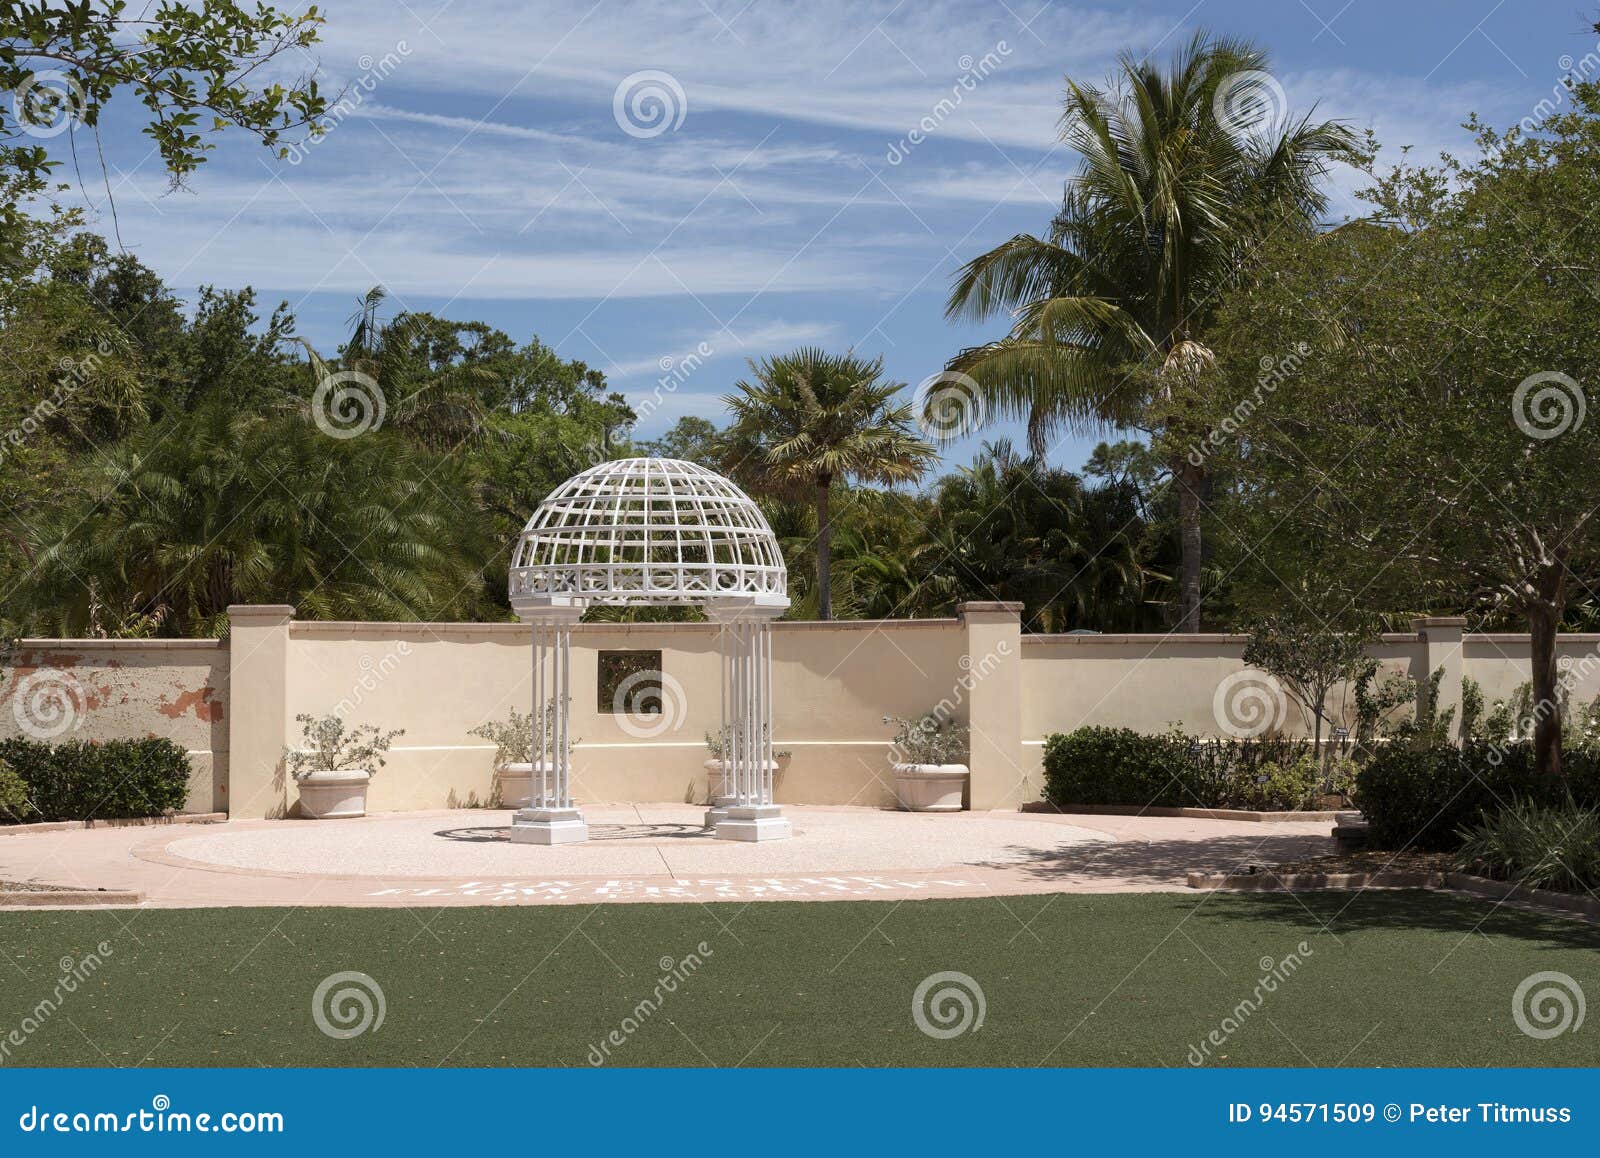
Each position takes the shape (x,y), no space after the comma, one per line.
(333,766)
(716,782)
(929,756)
(513,741)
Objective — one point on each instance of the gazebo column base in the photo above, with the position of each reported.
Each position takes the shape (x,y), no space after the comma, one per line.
(718,812)
(754,822)
(548,826)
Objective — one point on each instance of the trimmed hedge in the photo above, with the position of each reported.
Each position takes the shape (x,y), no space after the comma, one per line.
(85,780)
(1425,797)
(1120,766)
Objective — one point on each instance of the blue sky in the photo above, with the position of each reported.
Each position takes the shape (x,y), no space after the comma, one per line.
(483,169)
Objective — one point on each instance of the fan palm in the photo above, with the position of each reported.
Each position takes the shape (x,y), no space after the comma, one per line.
(1111,309)
(811,421)
(219,507)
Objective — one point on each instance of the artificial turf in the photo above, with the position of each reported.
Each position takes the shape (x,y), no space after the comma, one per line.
(1395,979)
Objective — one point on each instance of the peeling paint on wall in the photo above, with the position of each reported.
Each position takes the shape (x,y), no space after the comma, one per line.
(200,700)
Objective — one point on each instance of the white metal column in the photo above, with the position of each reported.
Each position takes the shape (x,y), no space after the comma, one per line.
(750,812)
(550,817)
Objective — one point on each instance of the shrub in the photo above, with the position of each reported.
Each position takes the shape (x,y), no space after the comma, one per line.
(14,804)
(928,740)
(87,780)
(512,738)
(1114,766)
(1423,797)
(1175,770)
(1539,845)
(327,747)
(1280,787)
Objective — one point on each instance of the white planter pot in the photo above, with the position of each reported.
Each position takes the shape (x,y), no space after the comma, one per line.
(714,774)
(334,795)
(516,785)
(930,787)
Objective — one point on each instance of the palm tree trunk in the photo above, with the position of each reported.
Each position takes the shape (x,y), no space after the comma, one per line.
(1190,479)
(824,551)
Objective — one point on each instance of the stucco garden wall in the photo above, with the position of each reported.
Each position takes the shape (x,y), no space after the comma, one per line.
(127,689)
(232,703)
(833,682)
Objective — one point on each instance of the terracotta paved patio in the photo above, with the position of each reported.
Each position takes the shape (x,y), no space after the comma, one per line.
(647,852)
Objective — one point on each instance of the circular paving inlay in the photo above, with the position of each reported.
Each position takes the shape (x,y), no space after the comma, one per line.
(633,841)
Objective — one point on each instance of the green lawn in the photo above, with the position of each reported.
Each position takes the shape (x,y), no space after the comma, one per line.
(1401,979)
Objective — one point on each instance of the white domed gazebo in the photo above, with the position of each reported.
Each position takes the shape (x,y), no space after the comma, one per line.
(653,532)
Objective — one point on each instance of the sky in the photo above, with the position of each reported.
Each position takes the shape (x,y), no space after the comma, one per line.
(664,190)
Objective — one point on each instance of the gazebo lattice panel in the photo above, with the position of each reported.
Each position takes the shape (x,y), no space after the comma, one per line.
(648,531)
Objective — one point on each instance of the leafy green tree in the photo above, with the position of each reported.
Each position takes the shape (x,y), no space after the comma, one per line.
(196,69)
(691,438)
(811,421)
(1112,308)
(1436,432)
(1311,658)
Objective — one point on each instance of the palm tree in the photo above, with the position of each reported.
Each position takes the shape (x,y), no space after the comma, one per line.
(1010,527)
(220,506)
(813,420)
(432,386)
(1171,196)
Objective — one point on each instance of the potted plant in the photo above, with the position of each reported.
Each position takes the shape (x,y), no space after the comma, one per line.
(333,767)
(718,794)
(513,753)
(929,756)
(513,757)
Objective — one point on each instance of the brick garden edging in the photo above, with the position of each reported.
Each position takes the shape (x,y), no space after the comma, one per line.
(1187,813)
(74,897)
(1269,882)
(120,822)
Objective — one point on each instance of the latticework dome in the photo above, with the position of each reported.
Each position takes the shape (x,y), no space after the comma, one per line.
(648,531)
